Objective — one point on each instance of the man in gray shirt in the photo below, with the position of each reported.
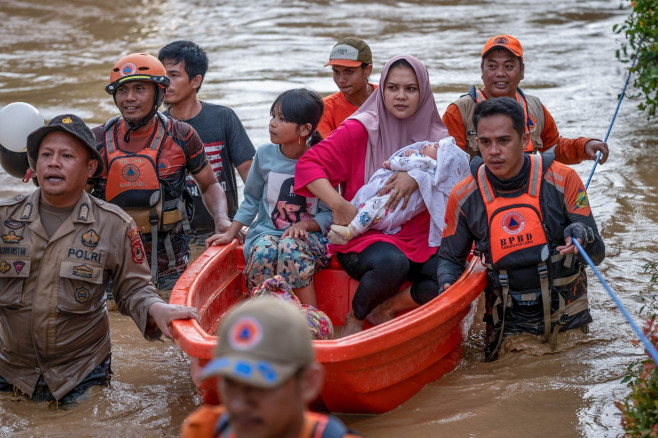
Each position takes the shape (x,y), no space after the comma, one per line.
(224,138)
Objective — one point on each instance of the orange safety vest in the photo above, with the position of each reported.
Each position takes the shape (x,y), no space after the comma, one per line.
(524,262)
(132,178)
(134,185)
(516,231)
(518,240)
(211,421)
(133,182)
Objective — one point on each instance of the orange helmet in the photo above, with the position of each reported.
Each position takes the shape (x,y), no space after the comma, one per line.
(137,67)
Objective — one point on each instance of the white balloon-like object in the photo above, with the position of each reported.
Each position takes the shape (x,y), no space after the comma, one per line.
(17,121)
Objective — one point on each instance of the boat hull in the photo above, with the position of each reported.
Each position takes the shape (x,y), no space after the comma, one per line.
(373,371)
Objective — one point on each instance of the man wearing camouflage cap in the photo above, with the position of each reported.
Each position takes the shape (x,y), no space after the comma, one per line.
(351,63)
(268,377)
(59,249)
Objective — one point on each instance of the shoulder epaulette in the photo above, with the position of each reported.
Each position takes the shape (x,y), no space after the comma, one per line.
(13,201)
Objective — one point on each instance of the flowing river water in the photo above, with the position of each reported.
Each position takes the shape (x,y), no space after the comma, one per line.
(57,56)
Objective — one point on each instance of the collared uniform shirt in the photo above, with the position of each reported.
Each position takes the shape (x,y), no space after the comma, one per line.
(53,317)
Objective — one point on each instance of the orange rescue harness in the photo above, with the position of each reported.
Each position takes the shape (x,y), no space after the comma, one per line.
(517,239)
(134,185)
(132,178)
(516,233)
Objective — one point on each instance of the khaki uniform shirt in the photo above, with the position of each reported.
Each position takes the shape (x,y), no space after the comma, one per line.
(53,317)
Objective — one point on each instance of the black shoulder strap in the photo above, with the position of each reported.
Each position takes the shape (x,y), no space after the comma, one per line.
(471,93)
(475,164)
(547,159)
(110,123)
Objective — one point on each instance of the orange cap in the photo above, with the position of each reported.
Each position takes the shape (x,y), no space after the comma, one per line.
(507,42)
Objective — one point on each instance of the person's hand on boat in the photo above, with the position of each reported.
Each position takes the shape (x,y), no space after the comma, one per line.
(161,315)
(592,147)
(218,239)
(401,186)
(231,233)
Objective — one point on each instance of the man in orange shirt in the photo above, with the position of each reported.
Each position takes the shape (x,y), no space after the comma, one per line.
(502,70)
(351,62)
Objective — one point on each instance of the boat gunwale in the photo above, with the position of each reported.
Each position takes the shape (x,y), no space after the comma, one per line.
(190,336)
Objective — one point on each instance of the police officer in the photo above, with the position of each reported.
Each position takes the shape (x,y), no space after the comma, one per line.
(146,158)
(522,211)
(60,247)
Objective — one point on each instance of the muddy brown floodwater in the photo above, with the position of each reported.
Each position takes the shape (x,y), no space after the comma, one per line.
(57,56)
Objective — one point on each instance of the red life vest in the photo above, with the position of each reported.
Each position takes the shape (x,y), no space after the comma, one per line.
(132,178)
(134,185)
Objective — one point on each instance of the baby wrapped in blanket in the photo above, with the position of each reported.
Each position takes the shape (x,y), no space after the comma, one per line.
(436,166)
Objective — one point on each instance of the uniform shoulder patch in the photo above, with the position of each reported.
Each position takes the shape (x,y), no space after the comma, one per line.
(581,199)
(137,250)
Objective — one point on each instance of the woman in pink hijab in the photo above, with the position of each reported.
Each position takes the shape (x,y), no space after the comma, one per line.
(400,112)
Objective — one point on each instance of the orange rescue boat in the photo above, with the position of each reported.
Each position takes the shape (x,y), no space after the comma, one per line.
(369,372)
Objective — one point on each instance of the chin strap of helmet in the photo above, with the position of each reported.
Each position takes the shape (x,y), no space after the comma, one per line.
(157,101)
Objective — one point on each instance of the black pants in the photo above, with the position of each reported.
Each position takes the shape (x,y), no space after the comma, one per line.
(381,270)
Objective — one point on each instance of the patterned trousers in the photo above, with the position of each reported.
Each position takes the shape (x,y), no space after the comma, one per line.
(296,260)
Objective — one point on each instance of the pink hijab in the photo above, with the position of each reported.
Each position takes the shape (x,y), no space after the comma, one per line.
(387,133)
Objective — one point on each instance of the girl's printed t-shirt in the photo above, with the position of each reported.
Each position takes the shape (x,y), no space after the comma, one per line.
(269,197)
